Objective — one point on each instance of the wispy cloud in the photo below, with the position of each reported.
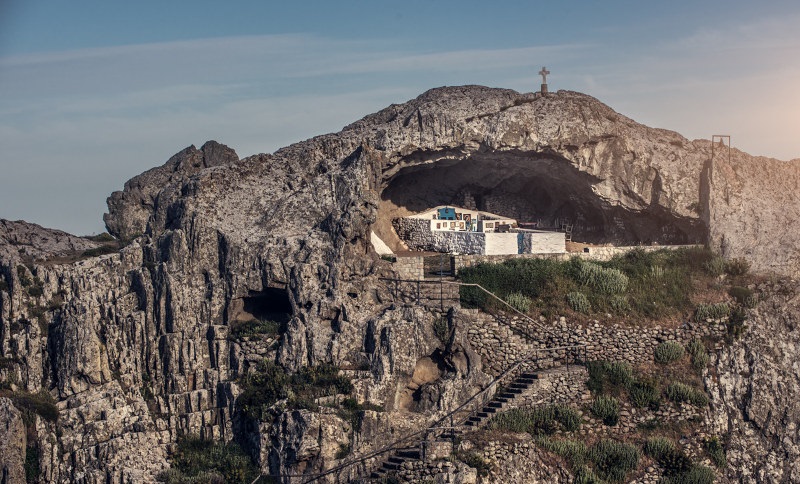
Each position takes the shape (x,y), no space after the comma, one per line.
(93,118)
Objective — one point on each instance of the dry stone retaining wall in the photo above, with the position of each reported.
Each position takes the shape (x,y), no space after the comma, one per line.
(500,343)
(566,384)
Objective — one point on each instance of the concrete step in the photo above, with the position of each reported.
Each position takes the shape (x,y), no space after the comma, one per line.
(410,453)
(496,404)
(390,466)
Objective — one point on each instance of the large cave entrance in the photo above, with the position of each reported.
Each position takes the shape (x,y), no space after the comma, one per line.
(530,187)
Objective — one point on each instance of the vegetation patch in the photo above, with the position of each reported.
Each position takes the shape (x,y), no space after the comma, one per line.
(199,461)
(101,250)
(520,302)
(606,408)
(253,328)
(538,420)
(680,392)
(609,376)
(269,383)
(654,285)
(698,353)
(716,452)
(613,459)
(30,404)
(578,302)
(668,351)
(705,312)
(644,392)
(441,328)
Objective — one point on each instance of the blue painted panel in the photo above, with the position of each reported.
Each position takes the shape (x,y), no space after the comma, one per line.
(447,214)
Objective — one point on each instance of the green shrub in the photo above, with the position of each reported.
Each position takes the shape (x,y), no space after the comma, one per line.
(254,327)
(644,393)
(22,275)
(667,352)
(102,237)
(573,451)
(607,375)
(619,304)
(200,461)
(658,447)
(98,251)
(716,452)
(680,392)
(606,407)
(614,459)
(35,290)
(441,328)
(344,451)
(601,279)
(578,302)
(737,267)
(269,383)
(584,475)
(537,420)
(741,294)
(675,463)
(715,266)
(736,324)
(697,350)
(520,302)
(712,311)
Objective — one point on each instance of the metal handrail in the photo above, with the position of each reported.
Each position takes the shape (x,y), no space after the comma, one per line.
(437,425)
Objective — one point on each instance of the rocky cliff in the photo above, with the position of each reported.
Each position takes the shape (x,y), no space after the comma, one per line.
(136,347)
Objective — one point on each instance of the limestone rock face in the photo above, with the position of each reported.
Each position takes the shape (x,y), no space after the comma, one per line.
(753,211)
(755,395)
(12,443)
(135,345)
(130,209)
(25,240)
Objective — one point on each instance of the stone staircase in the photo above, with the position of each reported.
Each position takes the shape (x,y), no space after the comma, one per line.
(502,398)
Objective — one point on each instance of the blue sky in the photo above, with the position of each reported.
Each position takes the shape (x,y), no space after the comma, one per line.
(94,92)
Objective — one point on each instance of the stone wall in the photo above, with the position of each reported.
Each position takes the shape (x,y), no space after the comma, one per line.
(417,235)
(565,384)
(411,268)
(501,340)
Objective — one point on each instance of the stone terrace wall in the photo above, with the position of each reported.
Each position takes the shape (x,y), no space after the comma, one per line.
(566,384)
(417,235)
(412,268)
(501,343)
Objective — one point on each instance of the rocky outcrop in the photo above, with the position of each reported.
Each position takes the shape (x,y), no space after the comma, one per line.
(12,443)
(135,345)
(130,209)
(755,389)
(29,241)
(752,210)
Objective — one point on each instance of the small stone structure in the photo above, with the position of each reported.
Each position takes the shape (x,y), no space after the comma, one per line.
(463,231)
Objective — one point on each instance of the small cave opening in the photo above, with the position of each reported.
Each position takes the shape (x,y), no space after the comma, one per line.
(270,304)
(533,188)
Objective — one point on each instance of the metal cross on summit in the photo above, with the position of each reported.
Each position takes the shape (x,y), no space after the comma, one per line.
(544,72)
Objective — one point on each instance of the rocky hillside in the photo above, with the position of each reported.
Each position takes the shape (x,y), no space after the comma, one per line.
(137,349)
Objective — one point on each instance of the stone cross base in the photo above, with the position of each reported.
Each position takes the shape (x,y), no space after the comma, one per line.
(544,88)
